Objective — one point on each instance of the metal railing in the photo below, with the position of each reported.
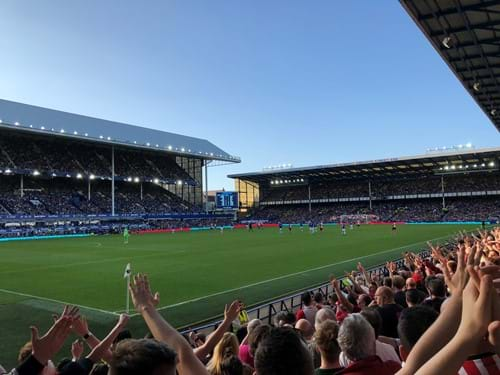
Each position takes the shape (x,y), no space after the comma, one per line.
(265,311)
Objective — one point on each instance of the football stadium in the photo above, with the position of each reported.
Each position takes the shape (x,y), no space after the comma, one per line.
(354,267)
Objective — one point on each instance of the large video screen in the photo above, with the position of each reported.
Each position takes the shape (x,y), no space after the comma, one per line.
(226,200)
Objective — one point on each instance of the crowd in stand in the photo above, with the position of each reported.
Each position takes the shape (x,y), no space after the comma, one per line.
(424,210)
(70,196)
(53,155)
(381,189)
(426,315)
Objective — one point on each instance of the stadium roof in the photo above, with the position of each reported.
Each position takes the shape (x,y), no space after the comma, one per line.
(466,35)
(457,161)
(63,124)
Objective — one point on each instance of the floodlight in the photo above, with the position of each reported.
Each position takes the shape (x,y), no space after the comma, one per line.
(92,177)
(62,130)
(157,145)
(42,127)
(148,144)
(447,41)
(446,167)
(16,123)
(79,175)
(75,132)
(8,171)
(129,179)
(183,149)
(483,165)
(101,137)
(475,165)
(493,112)
(136,179)
(179,182)
(108,138)
(31,126)
(169,147)
(36,173)
(491,163)
(54,175)
(476,86)
(156,181)
(86,134)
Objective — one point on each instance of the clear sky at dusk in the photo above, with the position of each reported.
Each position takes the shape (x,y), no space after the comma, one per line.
(272,81)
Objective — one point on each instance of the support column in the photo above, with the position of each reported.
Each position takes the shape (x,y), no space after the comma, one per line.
(112,180)
(442,191)
(22,186)
(370,193)
(309,196)
(206,187)
(141,192)
(88,190)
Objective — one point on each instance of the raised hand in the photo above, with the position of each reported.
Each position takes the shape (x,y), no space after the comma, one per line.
(231,312)
(456,282)
(45,347)
(361,268)
(76,350)
(141,293)
(80,326)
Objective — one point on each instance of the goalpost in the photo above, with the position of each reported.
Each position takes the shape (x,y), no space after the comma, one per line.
(361,218)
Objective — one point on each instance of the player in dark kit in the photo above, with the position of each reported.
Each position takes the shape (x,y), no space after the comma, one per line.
(289,227)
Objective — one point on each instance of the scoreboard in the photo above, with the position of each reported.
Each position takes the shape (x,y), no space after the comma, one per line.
(226,200)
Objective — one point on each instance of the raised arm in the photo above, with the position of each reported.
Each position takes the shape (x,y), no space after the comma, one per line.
(230,314)
(342,299)
(101,349)
(145,304)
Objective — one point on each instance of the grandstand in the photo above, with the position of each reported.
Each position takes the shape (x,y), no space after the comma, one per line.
(458,185)
(56,165)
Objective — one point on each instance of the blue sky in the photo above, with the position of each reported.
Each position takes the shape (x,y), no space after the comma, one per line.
(272,81)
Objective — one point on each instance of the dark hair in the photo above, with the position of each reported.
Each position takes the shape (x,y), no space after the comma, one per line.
(241,333)
(282,352)
(123,335)
(306,298)
(413,322)
(286,316)
(413,296)
(436,287)
(373,317)
(387,282)
(231,365)
(318,297)
(142,356)
(256,336)
(62,364)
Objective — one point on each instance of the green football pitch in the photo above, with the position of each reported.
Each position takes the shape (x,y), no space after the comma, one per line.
(196,273)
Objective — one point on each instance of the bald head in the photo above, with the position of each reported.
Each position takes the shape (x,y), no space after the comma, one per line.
(305,328)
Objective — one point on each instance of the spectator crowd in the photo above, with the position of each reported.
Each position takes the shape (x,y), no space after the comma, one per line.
(432,314)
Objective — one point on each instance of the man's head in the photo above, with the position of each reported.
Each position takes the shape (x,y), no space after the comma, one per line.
(306,298)
(411,283)
(318,298)
(413,322)
(384,295)
(356,338)
(284,317)
(282,352)
(436,287)
(253,324)
(326,313)
(398,282)
(305,328)
(144,356)
(326,340)
(363,301)
(413,297)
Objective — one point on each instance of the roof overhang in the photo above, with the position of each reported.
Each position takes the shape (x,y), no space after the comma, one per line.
(466,35)
(49,122)
(486,159)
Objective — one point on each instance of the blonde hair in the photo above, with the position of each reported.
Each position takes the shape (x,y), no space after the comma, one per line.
(227,346)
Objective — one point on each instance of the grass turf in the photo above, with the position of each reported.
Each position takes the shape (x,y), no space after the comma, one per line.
(196,273)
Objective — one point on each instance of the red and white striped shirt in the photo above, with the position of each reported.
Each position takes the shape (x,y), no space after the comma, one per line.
(487,364)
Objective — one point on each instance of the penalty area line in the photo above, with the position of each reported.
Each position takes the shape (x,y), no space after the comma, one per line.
(56,301)
(294,274)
